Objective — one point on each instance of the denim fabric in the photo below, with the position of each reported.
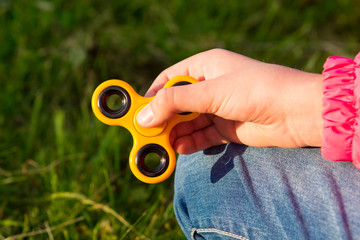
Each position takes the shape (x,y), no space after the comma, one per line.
(239,192)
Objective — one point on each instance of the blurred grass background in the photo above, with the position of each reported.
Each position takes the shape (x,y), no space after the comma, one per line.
(63,174)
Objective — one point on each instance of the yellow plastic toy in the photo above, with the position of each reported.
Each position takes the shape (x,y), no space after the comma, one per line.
(146,140)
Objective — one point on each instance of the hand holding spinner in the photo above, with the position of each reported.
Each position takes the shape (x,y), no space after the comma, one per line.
(146,140)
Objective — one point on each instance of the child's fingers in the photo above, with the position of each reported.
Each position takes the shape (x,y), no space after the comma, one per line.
(199,140)
(191,66)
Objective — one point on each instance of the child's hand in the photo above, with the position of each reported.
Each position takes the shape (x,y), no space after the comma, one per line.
(242,100)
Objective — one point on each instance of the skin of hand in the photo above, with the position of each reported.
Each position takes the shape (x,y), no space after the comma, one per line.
(241,100)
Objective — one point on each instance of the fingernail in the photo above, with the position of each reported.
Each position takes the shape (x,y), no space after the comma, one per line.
(145,116)
(150,93)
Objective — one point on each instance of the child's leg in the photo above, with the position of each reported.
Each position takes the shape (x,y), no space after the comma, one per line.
(240,192)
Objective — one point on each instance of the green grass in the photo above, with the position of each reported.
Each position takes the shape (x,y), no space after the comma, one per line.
(63,174)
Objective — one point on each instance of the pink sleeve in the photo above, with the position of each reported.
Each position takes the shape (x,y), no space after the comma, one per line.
(341,102)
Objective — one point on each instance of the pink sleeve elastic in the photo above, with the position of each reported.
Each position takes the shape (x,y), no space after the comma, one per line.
(341,102)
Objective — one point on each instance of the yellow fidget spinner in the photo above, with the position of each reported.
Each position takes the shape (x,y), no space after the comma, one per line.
(146,140)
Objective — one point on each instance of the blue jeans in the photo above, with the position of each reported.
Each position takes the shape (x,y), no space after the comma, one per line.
(239,192)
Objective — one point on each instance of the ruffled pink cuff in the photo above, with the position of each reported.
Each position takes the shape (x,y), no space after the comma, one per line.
(341,102)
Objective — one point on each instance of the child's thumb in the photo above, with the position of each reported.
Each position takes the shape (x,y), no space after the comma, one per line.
(173,100)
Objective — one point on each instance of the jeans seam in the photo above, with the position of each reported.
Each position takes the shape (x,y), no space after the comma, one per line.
(200,230)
